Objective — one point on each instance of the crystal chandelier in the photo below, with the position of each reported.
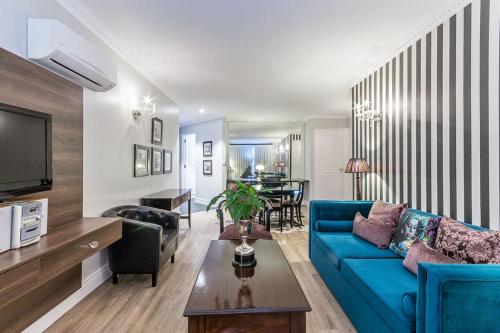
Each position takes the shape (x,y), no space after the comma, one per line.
(364,112)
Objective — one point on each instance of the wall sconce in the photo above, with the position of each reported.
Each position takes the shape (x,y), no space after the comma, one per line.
(136,113)
(147,106)
(364,112)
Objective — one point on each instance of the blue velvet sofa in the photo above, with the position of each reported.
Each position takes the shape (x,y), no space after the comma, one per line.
(379,295)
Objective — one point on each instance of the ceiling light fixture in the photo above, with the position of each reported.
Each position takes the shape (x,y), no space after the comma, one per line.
(202,111)
(365,112)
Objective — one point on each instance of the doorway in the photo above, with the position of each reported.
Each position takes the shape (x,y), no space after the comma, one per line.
(330,155)
(188,167)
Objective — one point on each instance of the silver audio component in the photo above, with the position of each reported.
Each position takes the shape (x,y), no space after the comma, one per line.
(26,223)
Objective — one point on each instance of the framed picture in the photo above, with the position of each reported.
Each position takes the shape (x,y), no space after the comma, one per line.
(156,131)
(141,161)
(207,167)
(167,161)
(207,148)
(157,161)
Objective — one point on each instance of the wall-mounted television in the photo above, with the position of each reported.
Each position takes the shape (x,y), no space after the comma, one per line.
(25,151)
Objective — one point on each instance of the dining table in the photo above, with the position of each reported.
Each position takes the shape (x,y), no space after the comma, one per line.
(286,190)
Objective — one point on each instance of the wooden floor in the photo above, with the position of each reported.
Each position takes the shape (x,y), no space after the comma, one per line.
(134,306)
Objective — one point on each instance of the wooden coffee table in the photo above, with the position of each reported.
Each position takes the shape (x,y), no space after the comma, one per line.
(266,298)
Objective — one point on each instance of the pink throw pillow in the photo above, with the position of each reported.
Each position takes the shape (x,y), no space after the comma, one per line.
(419,252)
(384,212)
(377,233)
(466,245)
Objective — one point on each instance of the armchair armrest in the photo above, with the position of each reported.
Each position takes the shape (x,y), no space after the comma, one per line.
(458,298)
(168,219)
(336,211)
(139,246)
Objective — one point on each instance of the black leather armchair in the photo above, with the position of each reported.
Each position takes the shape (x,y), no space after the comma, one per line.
(149,238)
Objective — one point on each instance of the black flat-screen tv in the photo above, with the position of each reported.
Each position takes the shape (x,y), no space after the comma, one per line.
(25,151)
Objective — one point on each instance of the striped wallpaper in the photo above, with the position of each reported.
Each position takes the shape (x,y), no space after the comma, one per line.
(437,147)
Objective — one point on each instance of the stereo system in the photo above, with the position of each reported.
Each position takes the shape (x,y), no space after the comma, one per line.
(22,223)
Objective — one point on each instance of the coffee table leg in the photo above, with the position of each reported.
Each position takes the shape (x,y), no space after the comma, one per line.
(189,213)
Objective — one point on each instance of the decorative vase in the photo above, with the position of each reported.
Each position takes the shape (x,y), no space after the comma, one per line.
(244,254)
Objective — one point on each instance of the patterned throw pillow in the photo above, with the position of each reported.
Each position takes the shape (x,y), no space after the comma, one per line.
(461,243)
(383,212)
(379,234)
(419,252)
(411,226)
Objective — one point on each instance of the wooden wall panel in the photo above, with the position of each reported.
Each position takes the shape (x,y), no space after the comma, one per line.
(28,308)
(27,85)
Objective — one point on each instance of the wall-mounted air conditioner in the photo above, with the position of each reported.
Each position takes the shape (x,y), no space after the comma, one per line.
(60,49)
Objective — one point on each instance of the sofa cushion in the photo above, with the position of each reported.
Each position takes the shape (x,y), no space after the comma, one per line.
(409,302)
(341,245)
(419,252)
(382,283)
(414,225)
(386,212)
(379,234)
(333,226)
(465,245)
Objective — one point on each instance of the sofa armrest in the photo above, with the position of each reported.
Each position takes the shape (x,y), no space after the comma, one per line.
(140,246)
(336,211)
(458,298)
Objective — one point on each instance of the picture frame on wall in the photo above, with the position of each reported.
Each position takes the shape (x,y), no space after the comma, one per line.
(156,131)
(207,148)
(207,167)
(167,161)
(156,161)
(141,161)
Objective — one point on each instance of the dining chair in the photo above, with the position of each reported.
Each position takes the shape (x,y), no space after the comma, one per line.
(294,203)
(277,200)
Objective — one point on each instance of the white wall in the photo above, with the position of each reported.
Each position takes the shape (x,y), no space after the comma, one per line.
(109,134)
(216,131)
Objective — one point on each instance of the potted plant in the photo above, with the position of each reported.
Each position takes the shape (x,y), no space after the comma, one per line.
(243,203)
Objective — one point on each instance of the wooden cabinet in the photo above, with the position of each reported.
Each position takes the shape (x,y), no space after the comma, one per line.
(41,275)
(16,281)
(169,199)
(58,261)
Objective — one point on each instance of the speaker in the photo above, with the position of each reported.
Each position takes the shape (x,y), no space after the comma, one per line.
(5,227)
(45,213)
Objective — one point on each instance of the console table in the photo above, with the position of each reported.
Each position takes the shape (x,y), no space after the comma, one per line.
(35,278)
(264,298)
(169,199)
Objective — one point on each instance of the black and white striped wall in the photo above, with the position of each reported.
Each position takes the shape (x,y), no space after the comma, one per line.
(438,147)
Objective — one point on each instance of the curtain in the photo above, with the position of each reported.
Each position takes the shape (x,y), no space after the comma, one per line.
(243,156)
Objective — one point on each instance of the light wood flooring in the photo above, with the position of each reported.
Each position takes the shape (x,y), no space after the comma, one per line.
(134,306)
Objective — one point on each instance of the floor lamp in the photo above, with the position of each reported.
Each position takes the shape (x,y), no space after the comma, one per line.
(357,166)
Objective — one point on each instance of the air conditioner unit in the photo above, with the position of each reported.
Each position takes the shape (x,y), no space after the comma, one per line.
(60,49)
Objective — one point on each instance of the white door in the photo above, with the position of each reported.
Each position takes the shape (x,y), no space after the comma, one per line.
(330,157)
(188,177)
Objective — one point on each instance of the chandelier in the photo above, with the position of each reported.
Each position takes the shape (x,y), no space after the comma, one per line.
(364,112)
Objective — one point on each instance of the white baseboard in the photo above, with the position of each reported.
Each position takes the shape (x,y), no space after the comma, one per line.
(88,285)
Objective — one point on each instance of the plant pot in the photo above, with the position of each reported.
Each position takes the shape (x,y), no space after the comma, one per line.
(244,254)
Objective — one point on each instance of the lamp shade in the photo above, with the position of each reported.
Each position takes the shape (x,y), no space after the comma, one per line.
(357,165)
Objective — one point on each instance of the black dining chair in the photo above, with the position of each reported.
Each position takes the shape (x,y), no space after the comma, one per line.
(294,203)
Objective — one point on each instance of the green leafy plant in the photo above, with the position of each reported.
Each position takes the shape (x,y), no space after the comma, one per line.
(242,202)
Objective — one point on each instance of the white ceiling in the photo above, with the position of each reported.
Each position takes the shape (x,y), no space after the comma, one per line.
(258,59)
